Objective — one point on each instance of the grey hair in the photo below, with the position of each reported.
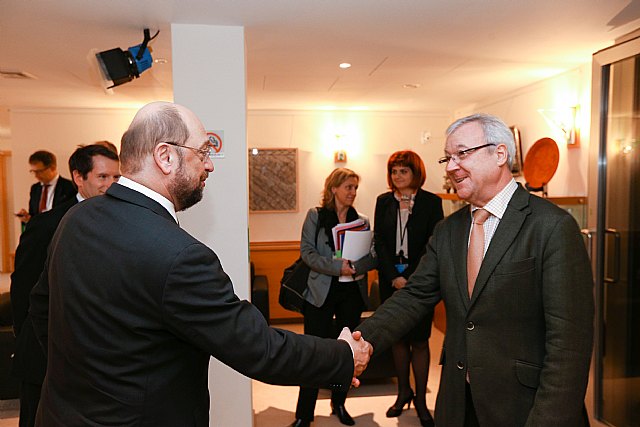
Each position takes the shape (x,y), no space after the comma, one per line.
(495,132)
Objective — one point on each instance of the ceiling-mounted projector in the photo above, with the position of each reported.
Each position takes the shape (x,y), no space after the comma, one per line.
(119,66)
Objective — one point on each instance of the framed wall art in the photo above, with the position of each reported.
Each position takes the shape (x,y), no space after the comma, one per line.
(273,180)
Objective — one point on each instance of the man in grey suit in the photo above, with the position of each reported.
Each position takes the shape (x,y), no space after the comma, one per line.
(135,306)
(518,341)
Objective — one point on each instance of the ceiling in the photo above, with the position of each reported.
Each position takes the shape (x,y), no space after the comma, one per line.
(456,52)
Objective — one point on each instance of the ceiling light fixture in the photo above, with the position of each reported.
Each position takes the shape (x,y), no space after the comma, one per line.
(118,67)
(345,65)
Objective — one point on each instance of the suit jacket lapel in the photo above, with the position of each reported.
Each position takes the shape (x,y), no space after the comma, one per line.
(459,246)
(505,234)
(131,196)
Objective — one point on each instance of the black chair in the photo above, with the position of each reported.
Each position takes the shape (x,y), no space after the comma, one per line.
(260,292)
(8,384)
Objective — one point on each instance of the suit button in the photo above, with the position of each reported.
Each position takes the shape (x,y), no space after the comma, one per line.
(460,365)
(470,326)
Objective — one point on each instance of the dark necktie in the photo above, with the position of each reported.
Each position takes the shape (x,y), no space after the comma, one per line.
(43,198)
(476,248)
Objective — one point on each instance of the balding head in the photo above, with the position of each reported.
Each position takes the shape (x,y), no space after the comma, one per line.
(154,123)
(166,149)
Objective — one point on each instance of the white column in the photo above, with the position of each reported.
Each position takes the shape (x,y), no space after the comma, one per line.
(209,79)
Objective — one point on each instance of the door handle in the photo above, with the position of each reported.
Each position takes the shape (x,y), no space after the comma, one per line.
(588,235)
(616,253)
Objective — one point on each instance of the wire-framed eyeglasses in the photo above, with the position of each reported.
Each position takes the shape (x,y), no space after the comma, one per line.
(461,155)
(202,153)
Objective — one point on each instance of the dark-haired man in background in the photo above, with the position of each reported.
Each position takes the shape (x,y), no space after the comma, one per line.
(93,169)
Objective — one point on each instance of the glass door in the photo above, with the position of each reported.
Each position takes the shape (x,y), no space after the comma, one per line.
(615,212)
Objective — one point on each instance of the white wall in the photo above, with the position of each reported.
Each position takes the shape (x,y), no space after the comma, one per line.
(59,131)
(369,139)
(521,109)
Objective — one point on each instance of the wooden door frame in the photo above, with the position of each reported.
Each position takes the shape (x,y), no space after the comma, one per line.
(5,236)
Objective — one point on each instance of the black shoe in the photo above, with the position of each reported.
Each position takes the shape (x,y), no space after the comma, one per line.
(427,420)
(341,412)
(300,423)
(396,409)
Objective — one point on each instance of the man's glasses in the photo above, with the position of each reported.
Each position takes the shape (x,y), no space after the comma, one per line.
(461,155)
(35,171)
(202,153)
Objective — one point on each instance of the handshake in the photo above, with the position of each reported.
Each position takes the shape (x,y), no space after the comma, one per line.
(361,350)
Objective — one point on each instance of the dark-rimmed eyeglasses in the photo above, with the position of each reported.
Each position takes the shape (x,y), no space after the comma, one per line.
(35,171)
(202,153)
(462,154)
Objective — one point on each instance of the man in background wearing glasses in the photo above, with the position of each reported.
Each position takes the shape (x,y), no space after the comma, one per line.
(515,278)
(50,190)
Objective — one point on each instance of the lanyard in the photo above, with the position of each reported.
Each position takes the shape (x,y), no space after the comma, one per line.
(403,231)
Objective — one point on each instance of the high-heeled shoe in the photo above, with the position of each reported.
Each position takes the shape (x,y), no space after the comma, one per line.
(341,412)
(396,409)
(427,420)
(300,423)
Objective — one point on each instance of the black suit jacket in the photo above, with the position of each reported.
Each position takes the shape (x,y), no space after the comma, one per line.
(136,306)
(64,191)
(525,336)
(29,361)
(426,212)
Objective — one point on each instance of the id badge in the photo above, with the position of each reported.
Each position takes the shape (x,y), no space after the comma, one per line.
(400,268)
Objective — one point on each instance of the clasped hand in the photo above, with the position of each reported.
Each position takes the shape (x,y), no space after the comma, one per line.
(361,350)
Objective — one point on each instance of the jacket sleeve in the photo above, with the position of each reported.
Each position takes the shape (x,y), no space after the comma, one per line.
(433,215)
(370,260)
(404,309)
(200,306)
(386,260)
(309,248)
(39,309)
(567,288)
(30,258)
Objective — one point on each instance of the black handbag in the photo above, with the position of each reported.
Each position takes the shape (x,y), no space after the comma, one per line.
(294,283)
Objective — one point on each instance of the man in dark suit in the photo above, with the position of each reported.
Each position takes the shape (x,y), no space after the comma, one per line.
(51,189)
(93,169)
(519,338)
(137,306)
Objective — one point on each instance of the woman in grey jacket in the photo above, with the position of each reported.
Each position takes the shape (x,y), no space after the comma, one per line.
(325,296)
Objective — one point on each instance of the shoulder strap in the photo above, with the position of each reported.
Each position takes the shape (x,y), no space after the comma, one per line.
(317,227)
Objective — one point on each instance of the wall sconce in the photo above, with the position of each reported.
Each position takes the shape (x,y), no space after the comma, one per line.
(565,121)
(340,156)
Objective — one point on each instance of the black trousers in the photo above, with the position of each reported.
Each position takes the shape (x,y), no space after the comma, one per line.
(345,303)
(470,418)
(29,399)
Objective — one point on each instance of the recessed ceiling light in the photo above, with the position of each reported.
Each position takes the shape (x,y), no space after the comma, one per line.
(411,85)
(345,65)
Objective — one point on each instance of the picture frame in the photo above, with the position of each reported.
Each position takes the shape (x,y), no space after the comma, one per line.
(273,180)
(516,168)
